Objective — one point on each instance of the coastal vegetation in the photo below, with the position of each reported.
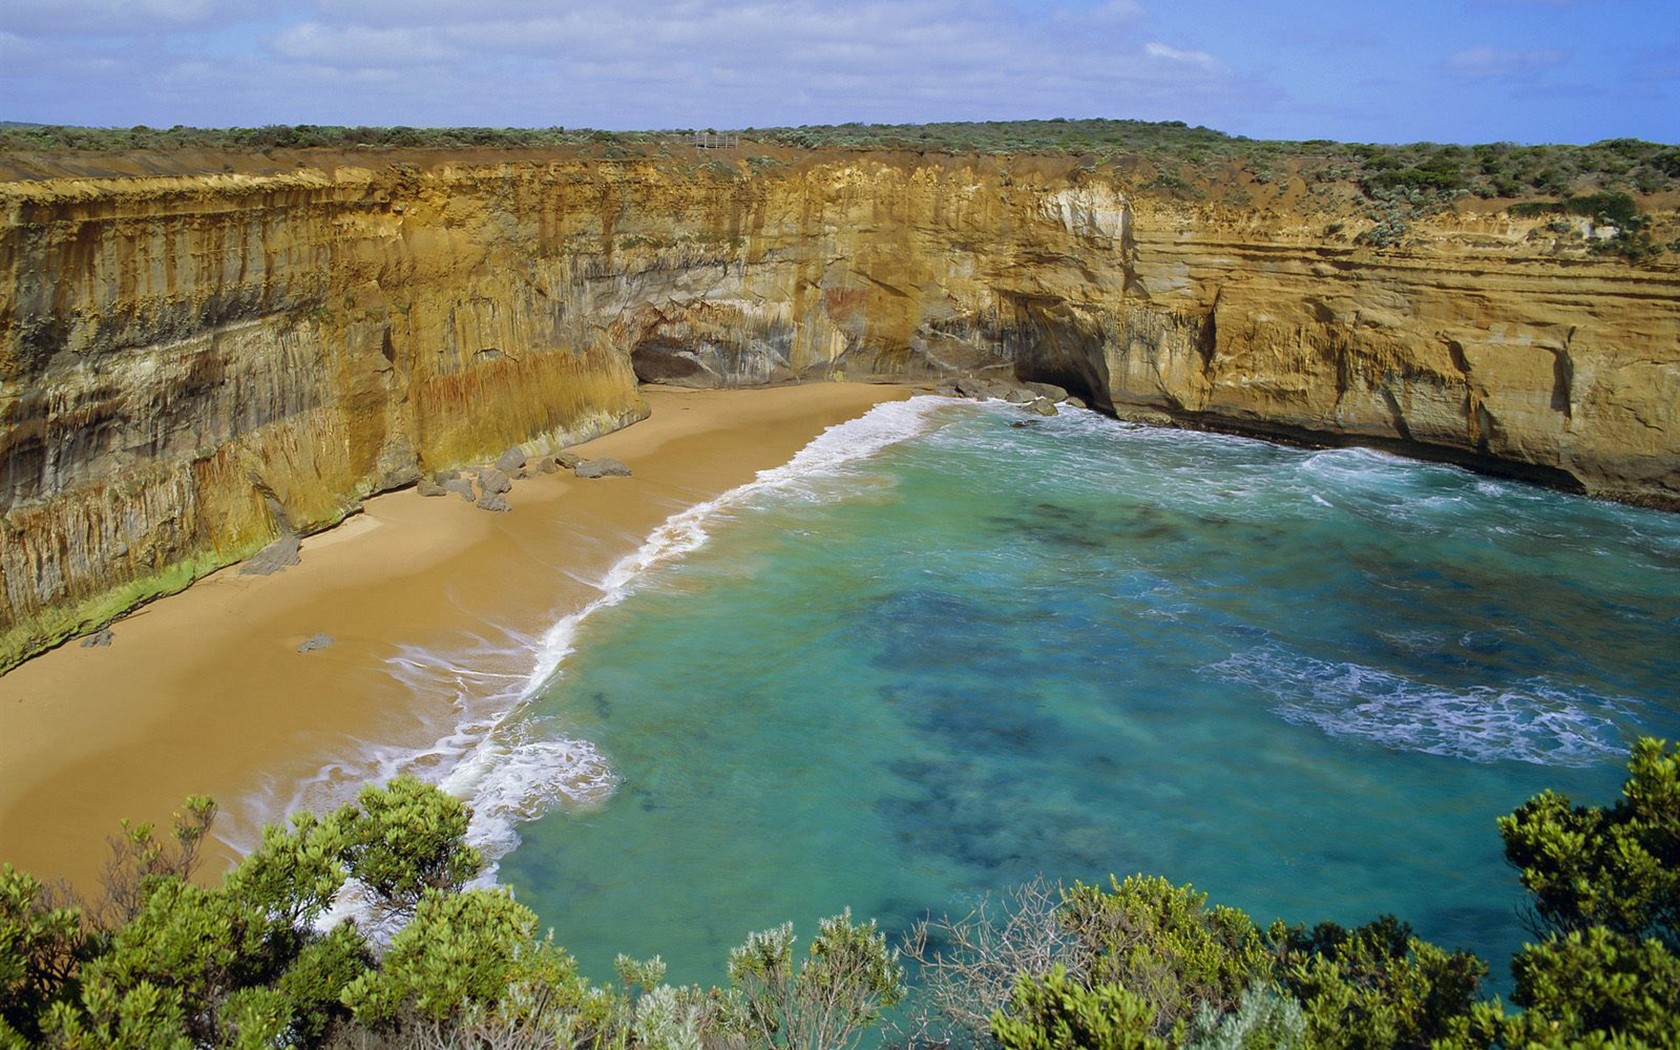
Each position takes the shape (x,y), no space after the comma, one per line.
(167,960)
(1394,184)
(1502,169)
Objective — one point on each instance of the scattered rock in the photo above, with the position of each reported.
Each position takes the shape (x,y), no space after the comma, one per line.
(314,642)
(492,481)
(98,639)
(1145,416)
(987,389)
(511,461)
(492,501)
(1042,406)
(1049,390)
(278,555)
(601,468)
(461,487)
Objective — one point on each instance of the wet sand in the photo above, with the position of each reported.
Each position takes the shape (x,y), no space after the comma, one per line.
(206,692)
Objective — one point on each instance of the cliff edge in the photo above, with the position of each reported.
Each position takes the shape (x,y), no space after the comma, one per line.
(191,365)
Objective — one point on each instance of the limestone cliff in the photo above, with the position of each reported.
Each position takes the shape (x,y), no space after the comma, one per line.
(190,364)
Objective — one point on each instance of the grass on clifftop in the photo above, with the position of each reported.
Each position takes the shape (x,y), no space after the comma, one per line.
(1488,170)
(1393,184)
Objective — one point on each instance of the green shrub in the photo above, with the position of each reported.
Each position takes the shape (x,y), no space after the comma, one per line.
(1164,944)
(848,979)
(1376,986)
(1056,1012)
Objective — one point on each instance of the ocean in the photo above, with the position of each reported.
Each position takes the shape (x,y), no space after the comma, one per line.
(951,647)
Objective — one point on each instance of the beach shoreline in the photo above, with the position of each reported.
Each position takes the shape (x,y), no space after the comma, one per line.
(208,692)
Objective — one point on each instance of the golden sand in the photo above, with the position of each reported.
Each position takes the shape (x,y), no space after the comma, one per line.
(207,692)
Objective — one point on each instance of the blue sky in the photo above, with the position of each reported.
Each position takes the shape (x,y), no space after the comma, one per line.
(1394,71)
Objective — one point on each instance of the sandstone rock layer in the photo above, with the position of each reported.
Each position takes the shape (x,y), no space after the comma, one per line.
(193,366)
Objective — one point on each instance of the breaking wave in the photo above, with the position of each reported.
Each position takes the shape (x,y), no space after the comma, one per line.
(1536,720)
(510,768)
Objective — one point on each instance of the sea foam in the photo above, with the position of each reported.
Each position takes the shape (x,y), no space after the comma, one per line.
(511,769)
(1536,720)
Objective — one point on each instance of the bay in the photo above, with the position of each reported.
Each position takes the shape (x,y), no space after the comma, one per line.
(953,647)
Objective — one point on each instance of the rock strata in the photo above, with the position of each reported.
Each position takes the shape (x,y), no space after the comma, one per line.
(192,365)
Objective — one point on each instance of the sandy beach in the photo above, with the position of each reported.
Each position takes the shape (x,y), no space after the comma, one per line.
(207,691)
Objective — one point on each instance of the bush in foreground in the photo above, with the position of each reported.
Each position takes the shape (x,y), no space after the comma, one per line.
(166,962)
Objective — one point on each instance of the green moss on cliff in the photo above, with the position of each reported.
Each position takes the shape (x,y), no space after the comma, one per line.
(58,625)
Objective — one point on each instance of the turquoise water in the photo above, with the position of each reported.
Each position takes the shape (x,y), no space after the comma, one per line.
(1305,681)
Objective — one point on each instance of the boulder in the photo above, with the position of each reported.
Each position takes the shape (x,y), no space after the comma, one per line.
(567,460)
(276,557)
(601,468)
(98,639)
(1146,416)
(511,461)
(1042,406)
(1020,396)
(548,465)
(398,463)
(1049,390)
(491,481)
(492,501)
(430,487)
(461,487)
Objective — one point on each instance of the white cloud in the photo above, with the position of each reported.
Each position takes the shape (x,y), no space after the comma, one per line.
(51,18)
(434,12)
(353,47)
(643,63)
(1481,63)
(1190,58)
(1115,13)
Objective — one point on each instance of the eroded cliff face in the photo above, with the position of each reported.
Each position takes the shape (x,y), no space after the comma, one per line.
(1471,346)
(189,365)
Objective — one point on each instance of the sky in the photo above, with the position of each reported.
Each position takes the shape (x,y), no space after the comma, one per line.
(1354,70)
